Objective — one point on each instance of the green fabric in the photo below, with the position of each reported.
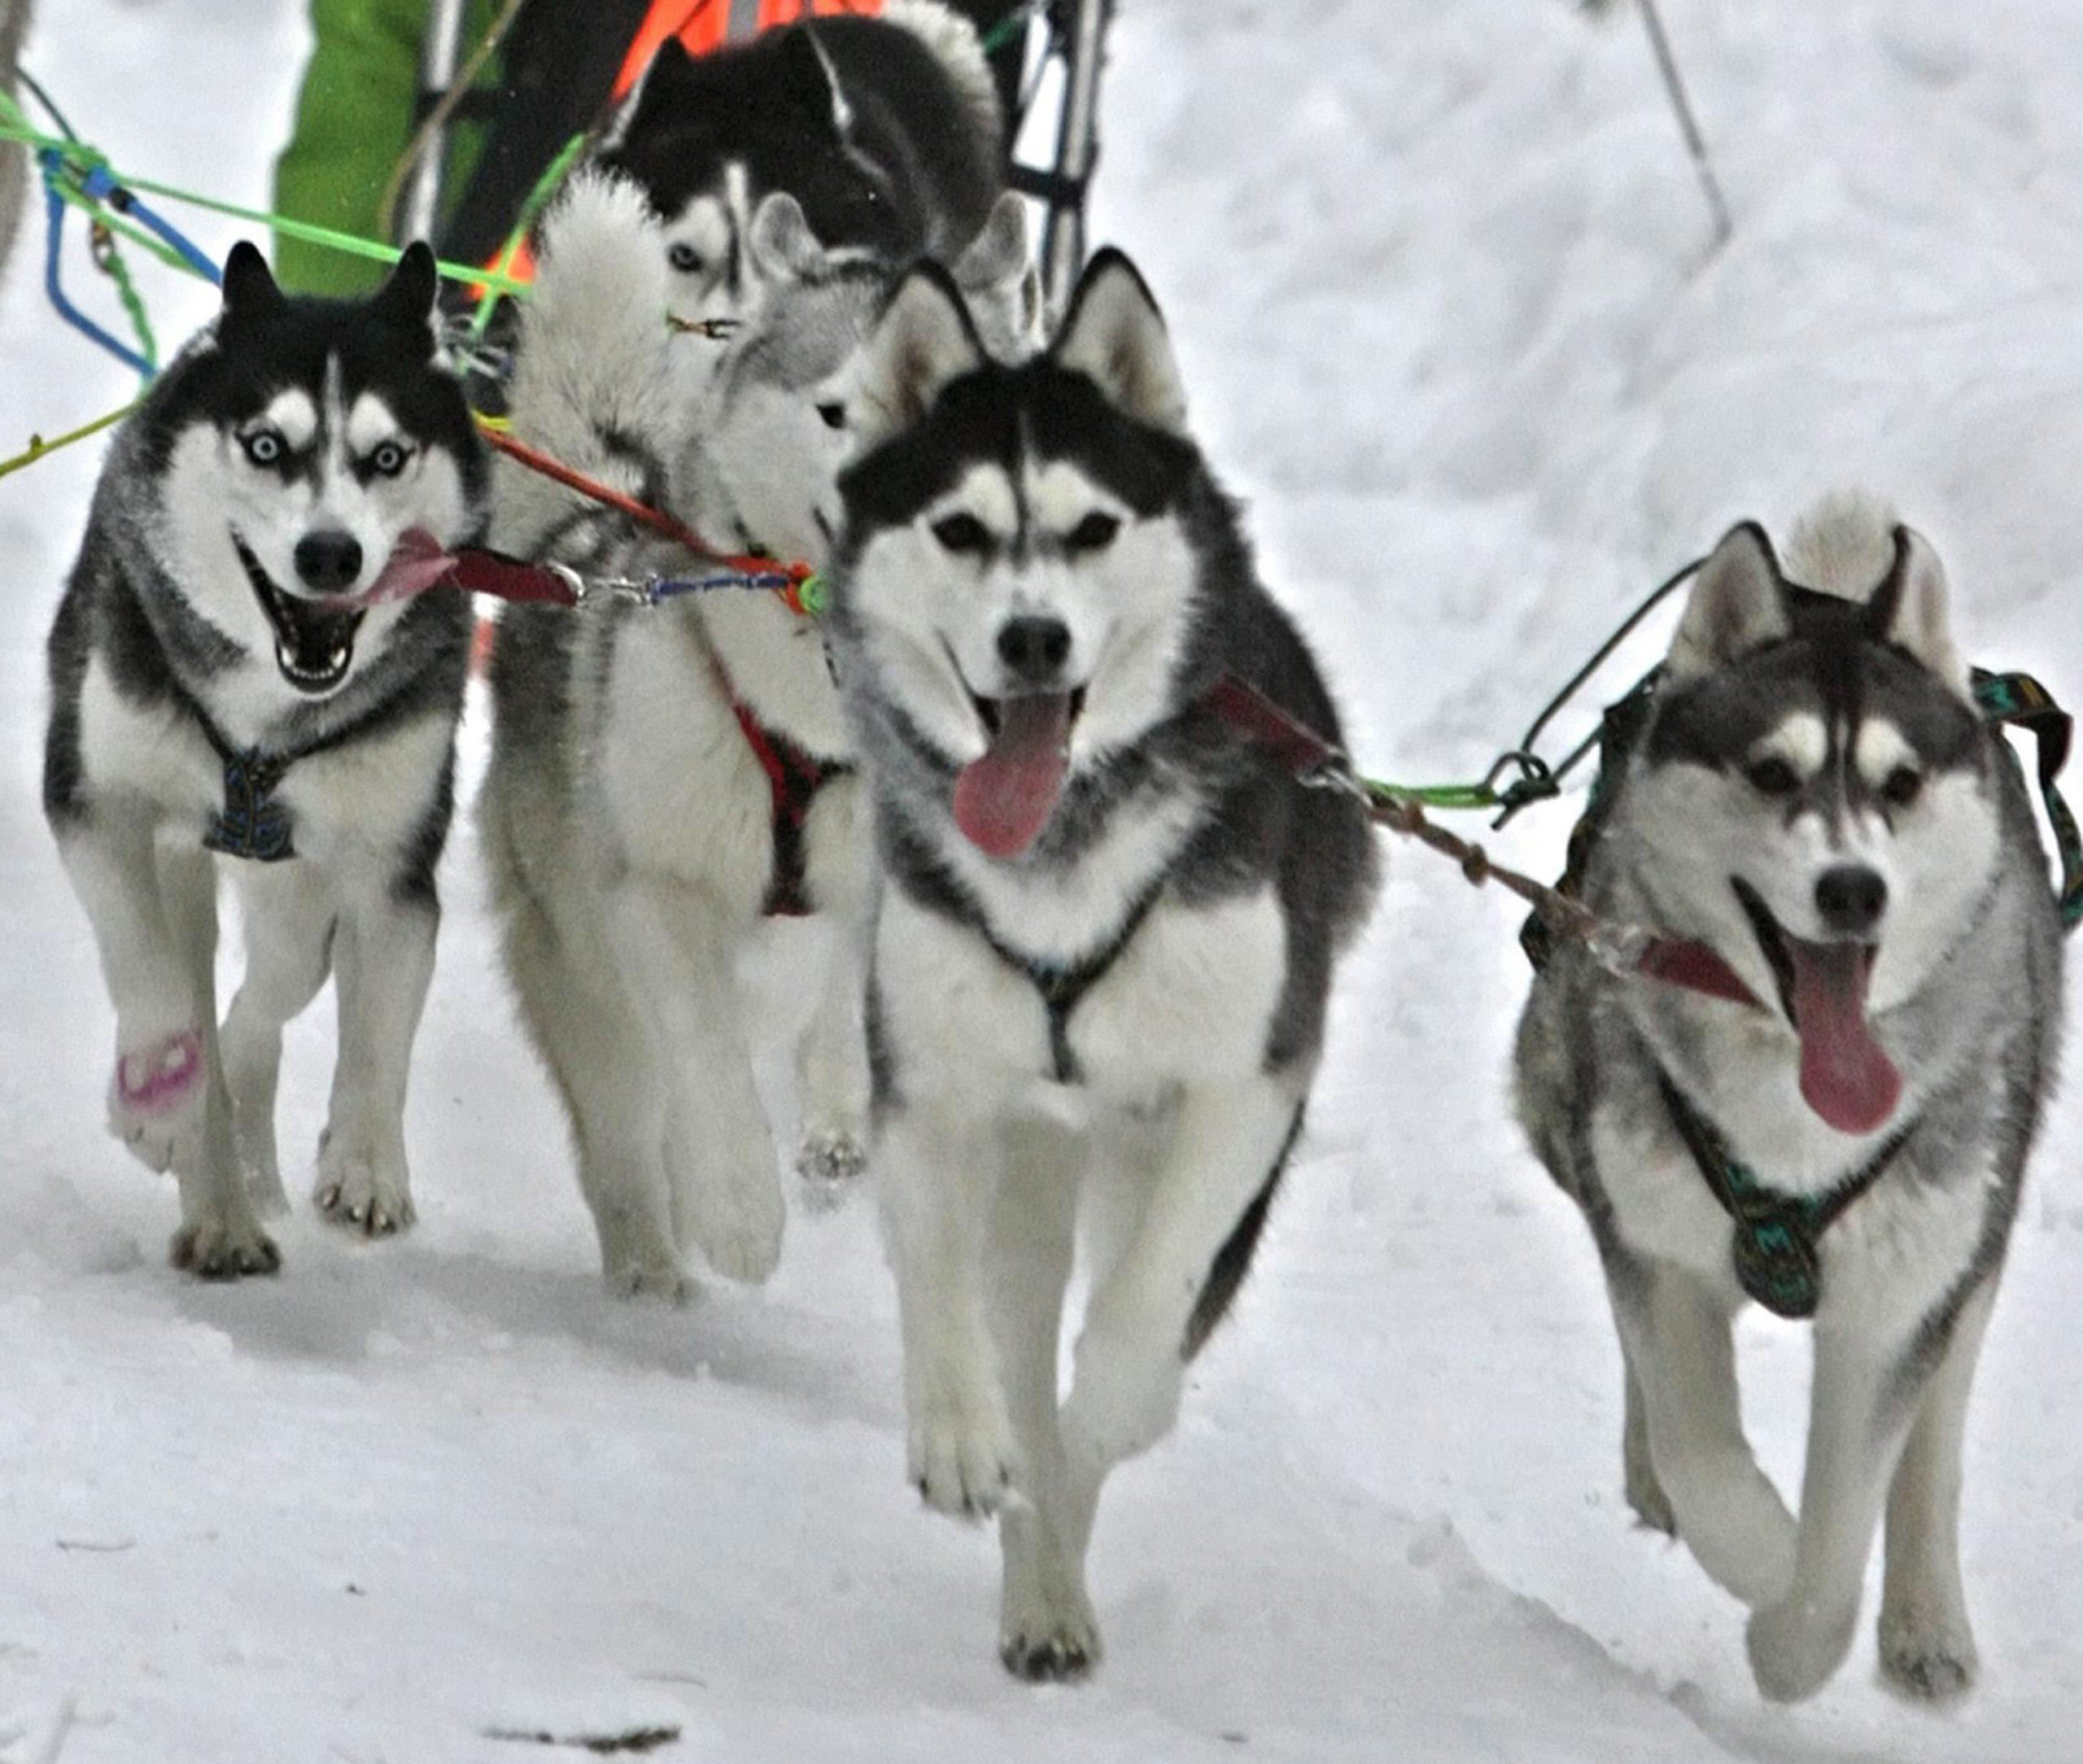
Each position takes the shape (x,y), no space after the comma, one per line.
(354,118)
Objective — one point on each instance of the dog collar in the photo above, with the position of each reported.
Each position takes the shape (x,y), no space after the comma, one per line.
(1773,1244)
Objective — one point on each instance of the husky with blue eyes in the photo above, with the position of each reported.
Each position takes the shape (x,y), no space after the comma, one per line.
(1101,959)
(244,667)
(1837,1126)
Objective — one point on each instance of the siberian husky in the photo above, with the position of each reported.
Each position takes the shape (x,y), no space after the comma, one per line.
(660,775)
(1102,952)
(888,130)
(231,673)
(1813,797)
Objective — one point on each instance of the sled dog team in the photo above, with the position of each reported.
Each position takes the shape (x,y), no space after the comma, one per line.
(1082,923)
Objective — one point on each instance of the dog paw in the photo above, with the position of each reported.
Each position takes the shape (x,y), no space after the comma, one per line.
(1794,1648)
(156,1100)
(962,1452)
(363,1191)
(737,1225)
(226,1250)
(1047,1642)
(1931,1660)
(663,1282)
(830,1162)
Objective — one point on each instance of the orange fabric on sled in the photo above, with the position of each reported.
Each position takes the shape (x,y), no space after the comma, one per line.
(702,25)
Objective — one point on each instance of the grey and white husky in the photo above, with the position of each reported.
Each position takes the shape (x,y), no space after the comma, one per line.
(240,666)
(1102,952)
(660,776)
(1815,798)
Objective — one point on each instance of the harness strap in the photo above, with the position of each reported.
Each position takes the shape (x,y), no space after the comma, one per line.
(252,824)
(793,780)
(1774,1247)
(2019,699)
(1062,989)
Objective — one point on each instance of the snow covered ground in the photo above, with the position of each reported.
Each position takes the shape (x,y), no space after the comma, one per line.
(1439,278)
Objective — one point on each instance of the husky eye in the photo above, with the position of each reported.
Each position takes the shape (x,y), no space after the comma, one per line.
(388,459)
(832,416)
(962,533)
(1903,786)
(1095,532)
(263,446)
(685,258)
(1772,777)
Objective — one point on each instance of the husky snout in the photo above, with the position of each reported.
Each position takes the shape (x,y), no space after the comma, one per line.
(1034,651)
(1850,898)
(329,560)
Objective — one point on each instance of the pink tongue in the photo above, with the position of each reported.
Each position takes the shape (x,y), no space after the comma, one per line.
(1845,1077)
(1003,800)
(415,564)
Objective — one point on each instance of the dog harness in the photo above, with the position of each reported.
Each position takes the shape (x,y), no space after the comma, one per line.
(253,824)
(793,780)
(1063,988)
(1774,1246)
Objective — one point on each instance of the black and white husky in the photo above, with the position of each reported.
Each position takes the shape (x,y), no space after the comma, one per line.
(887,130)
(240,666)
(662,776)
(1816,800)
(1102,952)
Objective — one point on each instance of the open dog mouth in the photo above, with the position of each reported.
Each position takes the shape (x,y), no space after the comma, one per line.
(1003,800)
(314,643)
(1846,1076)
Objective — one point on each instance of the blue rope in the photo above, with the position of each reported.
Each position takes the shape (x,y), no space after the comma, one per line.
(53,284)
(97,184)
(669,587)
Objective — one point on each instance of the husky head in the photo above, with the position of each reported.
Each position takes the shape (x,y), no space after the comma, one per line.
(293,447)
(708,138)
(1029,547)
(781,417)
(1816,793)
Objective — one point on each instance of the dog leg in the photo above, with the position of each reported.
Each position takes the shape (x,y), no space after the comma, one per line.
(1131,1357)
(1857,1422)
(155,926)
(1644,1493)
(287,913)
(1047,1629)
(722,1178)
(1677,1339)
(1927,1644)
(938,1173)
(384,958)
(831,1058)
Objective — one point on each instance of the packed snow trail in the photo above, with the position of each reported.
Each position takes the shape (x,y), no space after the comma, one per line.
(1438,278)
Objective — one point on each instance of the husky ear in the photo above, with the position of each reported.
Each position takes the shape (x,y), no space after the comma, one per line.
(923,340)
(406,299)
(249,289)
(1737,604)
(1114,335)
(806,78)
(783,248)
(996,273)
(1910,609)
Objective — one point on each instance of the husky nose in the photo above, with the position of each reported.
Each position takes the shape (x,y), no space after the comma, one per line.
(1034,650)
(328,562)
(1850,898)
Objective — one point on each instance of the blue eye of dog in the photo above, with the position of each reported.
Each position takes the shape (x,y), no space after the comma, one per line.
(1095,532)
(388,459)
(832,416)
(685,258)
(263,446)
(1773,777)
(1904,785)
(962,533)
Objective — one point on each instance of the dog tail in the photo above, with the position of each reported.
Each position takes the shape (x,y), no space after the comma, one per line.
(956,46)
(591,382)
(1844,545)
